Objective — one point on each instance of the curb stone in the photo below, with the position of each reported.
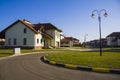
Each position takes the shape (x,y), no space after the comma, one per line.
(84,68)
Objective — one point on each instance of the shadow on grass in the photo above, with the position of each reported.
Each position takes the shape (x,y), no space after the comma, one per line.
(5,54)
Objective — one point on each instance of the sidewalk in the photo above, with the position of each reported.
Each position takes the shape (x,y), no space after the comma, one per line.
(95,49)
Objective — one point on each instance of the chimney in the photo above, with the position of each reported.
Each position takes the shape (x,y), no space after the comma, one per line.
(26,21)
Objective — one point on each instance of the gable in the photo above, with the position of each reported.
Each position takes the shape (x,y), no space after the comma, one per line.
(30,26)
(17,30)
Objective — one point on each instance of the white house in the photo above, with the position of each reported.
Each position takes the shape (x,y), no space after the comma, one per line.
(26,35)
(113,39)
(69,42)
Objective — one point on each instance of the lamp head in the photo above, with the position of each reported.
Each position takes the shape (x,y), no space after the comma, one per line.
(92,15)
(105,14)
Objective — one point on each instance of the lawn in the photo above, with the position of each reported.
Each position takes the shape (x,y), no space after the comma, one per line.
(91,59)
(9,52)
(5,52)
(110,59)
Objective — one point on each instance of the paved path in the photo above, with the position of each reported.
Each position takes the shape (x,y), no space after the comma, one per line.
(95,49)
(29,67)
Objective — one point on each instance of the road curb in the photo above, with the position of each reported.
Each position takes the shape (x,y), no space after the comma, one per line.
(84,68)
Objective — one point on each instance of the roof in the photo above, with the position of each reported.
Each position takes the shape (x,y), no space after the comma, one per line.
(71,38)
(34,27)
(65,40)
(114,34)
(46,26)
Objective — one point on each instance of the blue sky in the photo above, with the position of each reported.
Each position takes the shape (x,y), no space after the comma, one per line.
(72,16)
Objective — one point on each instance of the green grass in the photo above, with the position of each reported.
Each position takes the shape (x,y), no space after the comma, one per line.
(91,59)
(9,52)
(109,59)
(5,52)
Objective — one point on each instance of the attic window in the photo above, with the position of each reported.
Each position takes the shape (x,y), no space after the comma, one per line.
(25,30)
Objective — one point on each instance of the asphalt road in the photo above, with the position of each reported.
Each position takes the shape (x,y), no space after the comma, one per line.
(29,67)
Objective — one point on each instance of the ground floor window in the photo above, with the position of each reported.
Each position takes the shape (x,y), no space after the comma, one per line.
(15,41)
(37,40)
(24,41)
(9,41)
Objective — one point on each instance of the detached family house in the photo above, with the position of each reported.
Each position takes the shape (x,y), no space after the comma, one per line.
(26,35)
(113,39)
(69,42)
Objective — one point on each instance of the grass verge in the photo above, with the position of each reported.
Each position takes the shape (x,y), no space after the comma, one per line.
(5,52)
(91,59)
(8,52)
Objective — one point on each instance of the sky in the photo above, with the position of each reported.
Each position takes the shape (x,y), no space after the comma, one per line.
(73,17)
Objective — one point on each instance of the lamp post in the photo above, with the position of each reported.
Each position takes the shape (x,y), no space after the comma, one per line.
(85,39)
(99,20)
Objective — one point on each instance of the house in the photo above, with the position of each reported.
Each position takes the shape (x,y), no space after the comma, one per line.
(96,43)
(24,34)
(69,42)
(2,40)
(113,39)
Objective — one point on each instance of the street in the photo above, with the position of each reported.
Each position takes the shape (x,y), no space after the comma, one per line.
(30,67)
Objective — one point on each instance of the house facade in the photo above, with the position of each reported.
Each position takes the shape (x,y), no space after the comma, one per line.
(69,42)
(113,39)
(96,43)
(26,35)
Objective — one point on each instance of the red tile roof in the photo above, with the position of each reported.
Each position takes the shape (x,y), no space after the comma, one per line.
(71,38)
(46,26)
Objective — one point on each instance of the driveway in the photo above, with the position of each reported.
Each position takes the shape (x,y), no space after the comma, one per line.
(29,67)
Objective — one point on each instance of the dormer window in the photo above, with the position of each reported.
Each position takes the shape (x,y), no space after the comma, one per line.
(25,30)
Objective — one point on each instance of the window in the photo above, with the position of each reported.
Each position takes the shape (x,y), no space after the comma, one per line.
(15,41)
(41,40)
(9,41)
(37,40)
(25,30)
(24,41)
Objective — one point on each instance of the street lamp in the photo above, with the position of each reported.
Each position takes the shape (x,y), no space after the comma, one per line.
(99,20)
(85,39)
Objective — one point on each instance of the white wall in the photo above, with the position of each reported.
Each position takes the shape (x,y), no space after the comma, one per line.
(17,32)
(52,33)
(56,37)
(112,43)
(118,42)
(108,41)
(39,37)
